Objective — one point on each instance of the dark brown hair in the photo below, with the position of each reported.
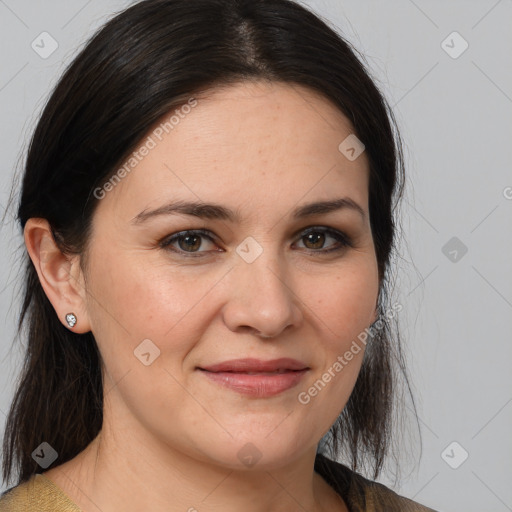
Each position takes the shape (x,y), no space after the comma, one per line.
(142,63)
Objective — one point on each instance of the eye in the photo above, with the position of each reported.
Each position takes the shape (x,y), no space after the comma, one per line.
(316,237)
(190,241)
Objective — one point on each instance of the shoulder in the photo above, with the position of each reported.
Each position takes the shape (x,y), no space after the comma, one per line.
(38,494)
(361,494)
(379,497)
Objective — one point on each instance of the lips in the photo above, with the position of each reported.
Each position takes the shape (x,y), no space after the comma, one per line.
(257,378)
(250,365)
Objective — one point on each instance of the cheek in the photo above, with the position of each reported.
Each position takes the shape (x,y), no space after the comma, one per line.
(136,299)
(135,302)
(345,303)
(343,310)
(137,296)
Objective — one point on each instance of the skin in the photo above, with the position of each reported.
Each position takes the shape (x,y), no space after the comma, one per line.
(170,436)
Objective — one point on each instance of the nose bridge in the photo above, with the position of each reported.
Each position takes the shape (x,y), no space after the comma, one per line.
(261,267)
(261,297)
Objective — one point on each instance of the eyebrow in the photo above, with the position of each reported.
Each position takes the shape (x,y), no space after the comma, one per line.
(216,211)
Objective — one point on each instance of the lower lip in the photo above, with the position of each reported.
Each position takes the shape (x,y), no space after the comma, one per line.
(258,385)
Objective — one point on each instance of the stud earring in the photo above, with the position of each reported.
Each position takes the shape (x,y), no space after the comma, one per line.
(71,319)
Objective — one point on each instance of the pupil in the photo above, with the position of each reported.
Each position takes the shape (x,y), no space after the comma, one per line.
(187,240)
(319,237)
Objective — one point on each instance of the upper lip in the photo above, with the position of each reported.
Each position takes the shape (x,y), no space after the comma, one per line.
(256,365)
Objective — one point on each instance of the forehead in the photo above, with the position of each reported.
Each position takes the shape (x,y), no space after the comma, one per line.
(248,142)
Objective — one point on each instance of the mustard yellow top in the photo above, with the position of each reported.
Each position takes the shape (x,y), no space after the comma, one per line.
(40,494)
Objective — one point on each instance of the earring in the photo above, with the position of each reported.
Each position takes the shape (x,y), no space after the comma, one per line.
(71,319)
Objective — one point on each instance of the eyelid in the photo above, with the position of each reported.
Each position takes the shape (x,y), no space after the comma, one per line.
(340,236)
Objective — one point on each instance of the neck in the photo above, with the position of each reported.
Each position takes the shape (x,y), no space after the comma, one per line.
(129,473)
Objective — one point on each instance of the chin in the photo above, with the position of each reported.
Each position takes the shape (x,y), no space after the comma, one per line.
(255,453)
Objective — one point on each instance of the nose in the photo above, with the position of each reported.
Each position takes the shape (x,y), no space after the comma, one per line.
(261,298)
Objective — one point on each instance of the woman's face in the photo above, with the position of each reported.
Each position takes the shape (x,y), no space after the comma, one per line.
(257,283)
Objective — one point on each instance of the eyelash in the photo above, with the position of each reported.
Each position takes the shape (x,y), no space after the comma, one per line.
(340,237)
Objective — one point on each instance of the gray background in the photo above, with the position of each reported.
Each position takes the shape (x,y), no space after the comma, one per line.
(455,118)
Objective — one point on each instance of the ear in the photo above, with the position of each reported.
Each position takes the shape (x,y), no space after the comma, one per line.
(59,274)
